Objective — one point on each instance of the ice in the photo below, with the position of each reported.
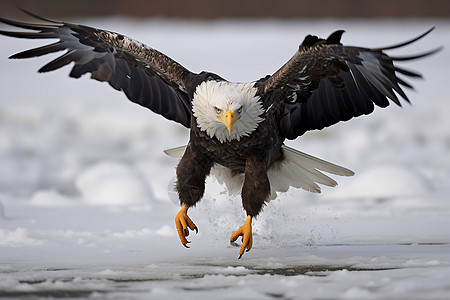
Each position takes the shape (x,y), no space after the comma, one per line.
(86,192)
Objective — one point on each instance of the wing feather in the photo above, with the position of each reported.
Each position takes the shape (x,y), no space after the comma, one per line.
(146,76)
(334,83)
(39,51)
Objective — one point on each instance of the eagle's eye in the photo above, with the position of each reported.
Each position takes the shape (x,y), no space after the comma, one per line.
(218,110)
(239,110)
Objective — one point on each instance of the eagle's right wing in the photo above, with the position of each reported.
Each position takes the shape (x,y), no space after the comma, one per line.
(147,76)
(326,82)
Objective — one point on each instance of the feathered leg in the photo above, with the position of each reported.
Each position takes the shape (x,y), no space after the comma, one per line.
(255,192)
(191,174)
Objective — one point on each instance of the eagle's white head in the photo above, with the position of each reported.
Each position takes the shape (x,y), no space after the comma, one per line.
(227,111)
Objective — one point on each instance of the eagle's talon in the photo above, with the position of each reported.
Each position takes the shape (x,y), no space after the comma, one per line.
(247,239)
(196,229)
(183,224)
(186,246)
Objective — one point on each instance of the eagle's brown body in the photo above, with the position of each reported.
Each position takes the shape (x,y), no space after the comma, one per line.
(252,155)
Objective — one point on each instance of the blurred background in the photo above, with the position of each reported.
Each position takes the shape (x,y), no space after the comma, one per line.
(47,143)
(83,177)
(213,9)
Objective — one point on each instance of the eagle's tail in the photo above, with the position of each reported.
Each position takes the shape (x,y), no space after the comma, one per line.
(301,170)
(297,169)
(175,152)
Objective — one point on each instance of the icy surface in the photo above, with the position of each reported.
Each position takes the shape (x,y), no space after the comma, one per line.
(85,210)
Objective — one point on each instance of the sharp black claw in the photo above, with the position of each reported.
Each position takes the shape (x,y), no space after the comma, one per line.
(247,250)
(186,246)
(196,229)
(240,256)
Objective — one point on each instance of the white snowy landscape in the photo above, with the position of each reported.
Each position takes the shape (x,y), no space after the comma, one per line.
(87,209)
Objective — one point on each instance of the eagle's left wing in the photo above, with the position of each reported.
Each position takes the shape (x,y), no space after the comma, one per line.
(147,76)
(325,83)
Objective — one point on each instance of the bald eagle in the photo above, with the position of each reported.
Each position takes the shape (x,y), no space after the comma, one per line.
(237,130)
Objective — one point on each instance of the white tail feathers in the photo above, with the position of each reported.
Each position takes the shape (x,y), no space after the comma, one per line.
(175,152)
(298,169)
(301,170)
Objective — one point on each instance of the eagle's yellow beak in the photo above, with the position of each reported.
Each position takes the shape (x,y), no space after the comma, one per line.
(229,119)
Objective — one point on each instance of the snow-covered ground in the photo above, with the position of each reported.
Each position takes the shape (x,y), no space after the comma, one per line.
(86,209)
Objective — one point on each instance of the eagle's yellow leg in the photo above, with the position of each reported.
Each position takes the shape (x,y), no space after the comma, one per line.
(183,222)
(247,239)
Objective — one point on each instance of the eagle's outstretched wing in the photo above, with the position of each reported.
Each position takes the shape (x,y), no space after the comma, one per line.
(147,77)
(326,82)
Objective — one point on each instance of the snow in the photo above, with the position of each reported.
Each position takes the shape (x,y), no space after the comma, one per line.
(17,238)
(386,181)
(112,183)
(86,193)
